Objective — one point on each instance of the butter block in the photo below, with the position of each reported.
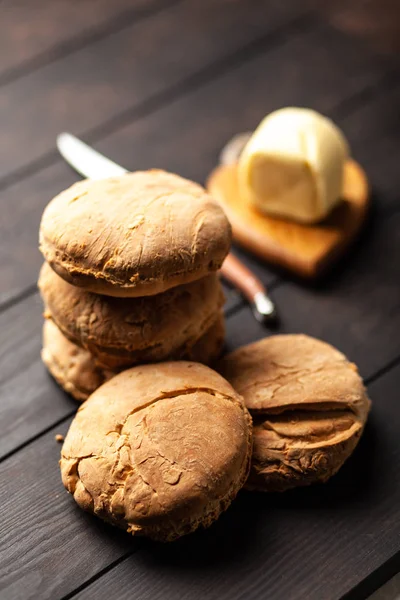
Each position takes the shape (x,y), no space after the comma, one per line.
(293,165)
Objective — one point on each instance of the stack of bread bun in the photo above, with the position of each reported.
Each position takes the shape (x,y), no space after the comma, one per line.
(130,277)
(162,448)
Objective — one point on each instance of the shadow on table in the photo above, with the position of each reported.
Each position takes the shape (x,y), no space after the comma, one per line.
(225,542)
(340,267)
(254,519)
(352,487)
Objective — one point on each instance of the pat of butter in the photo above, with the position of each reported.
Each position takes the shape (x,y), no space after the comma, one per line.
(293,165)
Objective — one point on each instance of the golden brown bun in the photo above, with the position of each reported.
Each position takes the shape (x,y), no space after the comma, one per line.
(77,372)
(209,347)
(159,449)
(309,407)
(74,368)
(135,235)
(122,332)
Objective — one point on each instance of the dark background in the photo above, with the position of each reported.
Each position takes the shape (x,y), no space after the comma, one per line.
(165,84)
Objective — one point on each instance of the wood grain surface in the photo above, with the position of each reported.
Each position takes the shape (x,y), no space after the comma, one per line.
(288,546)
(34,187)
(357,309)
(184,122)
(49,547)
(297,545)
(34,33)
(99,83)
(264,545)
(374,131)
(166,84)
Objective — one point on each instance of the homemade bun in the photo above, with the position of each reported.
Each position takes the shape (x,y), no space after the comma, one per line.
(209,347)
(159,450)
(122,332)
(134,235)
(309,407)
(74,368)
(78,373)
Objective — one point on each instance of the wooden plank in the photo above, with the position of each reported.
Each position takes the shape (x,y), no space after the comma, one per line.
(29,484)
(357,309)
(48,545)
(31,401)
(281,547)
(33,32)
(237,102)
(316,543)
(373,131)
(376,23)
(187,135)
(320,68)
(21,208)
(123,70)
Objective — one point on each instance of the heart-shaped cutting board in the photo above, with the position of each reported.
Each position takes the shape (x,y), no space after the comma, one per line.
(307,250)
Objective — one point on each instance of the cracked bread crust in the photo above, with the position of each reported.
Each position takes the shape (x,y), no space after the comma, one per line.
(121,332)
(135,235)
(77,372)
(309,407)
(208,348)
(159,450)
(74,368)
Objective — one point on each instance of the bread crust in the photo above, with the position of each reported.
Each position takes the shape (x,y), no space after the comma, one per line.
(121,332)
(135,235)
(159,450)
(208,348)
(78,373)
(309,407)
(74,368)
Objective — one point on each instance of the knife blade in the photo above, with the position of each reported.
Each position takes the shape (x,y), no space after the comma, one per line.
(86,160)
(92,165)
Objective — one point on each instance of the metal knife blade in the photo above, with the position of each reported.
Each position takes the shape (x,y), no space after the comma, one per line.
(85,160)
(92,165)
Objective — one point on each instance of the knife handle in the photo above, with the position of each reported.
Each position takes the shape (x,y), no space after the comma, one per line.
(236,273)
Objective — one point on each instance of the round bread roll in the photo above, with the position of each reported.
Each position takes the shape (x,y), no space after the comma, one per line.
(135,235)
(122,332)
(209,347)
(74,368)
(159,450)
(309,407)
(78,373)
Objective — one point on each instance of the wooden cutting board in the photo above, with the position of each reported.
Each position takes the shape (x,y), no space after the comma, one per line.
(307,250)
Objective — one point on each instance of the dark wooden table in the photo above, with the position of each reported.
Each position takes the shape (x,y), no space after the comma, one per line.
(164,84)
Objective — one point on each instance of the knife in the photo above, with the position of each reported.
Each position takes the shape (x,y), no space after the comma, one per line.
(92,165)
